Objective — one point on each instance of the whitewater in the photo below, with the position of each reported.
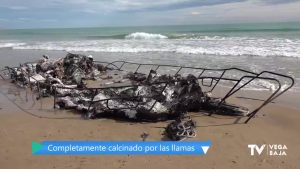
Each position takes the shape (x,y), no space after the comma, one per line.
(138,42)
(254,47)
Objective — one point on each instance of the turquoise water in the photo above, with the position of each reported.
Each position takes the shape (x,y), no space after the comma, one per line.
(286,30)
(276,39)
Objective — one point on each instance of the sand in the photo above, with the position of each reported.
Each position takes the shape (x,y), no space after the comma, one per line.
(23,120)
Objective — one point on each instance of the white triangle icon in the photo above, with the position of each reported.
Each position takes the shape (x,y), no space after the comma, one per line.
(205,148)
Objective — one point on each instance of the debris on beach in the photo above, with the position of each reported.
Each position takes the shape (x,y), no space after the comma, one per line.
(104,90)
(181,129)
(144,136)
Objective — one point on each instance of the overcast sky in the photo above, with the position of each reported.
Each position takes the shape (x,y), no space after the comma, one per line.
(90,13)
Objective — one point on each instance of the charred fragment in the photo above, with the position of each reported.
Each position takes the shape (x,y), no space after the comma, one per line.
(77,67)
(181,129)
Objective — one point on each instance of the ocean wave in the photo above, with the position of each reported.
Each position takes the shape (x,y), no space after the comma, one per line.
(182,50)
(205,45)
(11,44)
(237,51)
(144,35)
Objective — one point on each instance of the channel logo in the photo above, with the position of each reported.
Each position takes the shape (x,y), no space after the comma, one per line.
(268,149)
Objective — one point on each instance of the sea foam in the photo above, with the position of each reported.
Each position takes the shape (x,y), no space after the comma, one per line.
(11,44)
(140,42)
(144,35)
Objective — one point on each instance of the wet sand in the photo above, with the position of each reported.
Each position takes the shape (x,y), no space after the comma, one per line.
(23,120)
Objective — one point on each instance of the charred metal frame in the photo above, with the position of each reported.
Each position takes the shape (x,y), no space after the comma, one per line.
(234,89)
(214,81)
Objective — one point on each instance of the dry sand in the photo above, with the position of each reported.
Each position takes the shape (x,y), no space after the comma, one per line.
(23,121)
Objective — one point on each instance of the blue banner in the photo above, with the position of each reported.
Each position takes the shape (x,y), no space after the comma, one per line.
(120,148)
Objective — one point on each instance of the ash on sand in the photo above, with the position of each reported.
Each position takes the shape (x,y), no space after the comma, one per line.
(131,96)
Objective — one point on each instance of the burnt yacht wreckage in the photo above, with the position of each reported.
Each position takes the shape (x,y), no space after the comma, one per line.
(101,89)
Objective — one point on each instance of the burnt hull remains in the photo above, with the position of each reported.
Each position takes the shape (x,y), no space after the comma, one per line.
(141,92)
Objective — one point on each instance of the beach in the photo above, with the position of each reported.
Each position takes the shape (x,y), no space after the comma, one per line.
(24,119)
(275,124)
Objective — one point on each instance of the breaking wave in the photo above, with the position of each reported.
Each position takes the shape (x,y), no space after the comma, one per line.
(143,35)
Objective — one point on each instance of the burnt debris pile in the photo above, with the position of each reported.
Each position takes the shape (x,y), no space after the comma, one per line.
(150,97)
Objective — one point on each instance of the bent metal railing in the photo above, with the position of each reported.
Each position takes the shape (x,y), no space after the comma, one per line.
(238,86)
(214,81)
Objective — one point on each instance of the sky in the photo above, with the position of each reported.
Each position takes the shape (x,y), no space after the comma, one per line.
(98,13)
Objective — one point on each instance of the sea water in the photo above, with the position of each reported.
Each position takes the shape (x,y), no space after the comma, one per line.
(255,47)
